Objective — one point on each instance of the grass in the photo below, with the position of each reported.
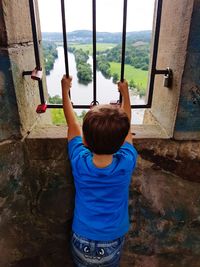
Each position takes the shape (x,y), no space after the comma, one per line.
(139,76)
(88,47)
(57,116)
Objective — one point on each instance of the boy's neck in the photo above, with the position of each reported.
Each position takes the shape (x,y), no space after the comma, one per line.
(102,161)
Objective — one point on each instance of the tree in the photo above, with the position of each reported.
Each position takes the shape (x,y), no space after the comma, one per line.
(132,84)
(84,73)
(56,99)
(50,54)
(115,77)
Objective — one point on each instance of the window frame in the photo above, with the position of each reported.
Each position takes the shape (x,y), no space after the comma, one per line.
(152,68)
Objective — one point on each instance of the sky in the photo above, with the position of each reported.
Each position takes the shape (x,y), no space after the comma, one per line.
(109,15)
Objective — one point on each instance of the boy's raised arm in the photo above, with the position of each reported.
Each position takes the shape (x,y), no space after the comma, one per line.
(74,128)
(126,105)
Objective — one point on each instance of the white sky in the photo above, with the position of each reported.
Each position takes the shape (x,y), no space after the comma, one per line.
(109,15)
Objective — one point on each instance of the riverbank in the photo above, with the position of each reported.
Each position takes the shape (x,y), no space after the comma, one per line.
(83,94)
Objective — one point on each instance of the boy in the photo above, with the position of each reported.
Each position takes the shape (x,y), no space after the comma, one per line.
(102,164)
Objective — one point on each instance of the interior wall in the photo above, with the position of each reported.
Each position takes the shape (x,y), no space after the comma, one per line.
(174,32)
(19,95)
(188,120)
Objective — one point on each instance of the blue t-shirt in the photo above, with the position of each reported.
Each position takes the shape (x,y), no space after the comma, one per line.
(101,202)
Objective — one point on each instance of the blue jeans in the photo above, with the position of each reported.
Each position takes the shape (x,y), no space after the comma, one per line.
(86,252)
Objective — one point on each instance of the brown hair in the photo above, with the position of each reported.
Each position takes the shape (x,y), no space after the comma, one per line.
(105,128)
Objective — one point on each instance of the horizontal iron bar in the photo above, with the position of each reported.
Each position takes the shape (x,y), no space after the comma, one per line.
(88,106)
(27,72)
(161,72)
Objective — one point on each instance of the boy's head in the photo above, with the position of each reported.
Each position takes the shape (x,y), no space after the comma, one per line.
(105,128)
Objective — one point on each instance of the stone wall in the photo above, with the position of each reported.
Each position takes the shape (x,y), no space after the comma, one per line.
(19,96)
(164,208)
(13,203)
(173,42)
(36,185)
(165,222)
(188,119)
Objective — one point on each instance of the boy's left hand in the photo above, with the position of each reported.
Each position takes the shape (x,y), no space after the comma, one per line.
(66,83)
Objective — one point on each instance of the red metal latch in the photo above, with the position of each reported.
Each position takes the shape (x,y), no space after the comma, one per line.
(41,108)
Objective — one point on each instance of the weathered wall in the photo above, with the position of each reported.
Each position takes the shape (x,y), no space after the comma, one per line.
(36,186)
(165,221)
(18,100)
(36,204)
(19,96)
(9,117)
(13,203)
(164,209)
(174,30)
(188,119)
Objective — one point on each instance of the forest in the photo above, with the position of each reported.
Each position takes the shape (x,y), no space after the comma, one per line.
(85,37)
(84,70)
(50,54)
(108,56)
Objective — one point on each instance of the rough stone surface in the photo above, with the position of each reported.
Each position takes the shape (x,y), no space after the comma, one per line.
(9,117)
(179,157)
(36,183)
(26,89)
(174,31)
(165,219)
(3,35)
(188,120)
(37,209)
(19,96)
(12,200)
(16,28)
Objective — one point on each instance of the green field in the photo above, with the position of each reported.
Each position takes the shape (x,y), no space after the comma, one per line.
(139,76)
(88,47)
(58,118)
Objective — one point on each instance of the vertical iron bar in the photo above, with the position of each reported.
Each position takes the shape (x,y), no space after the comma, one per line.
(36,46)
(64,37)
(123,43)
(34,32)
(94,49)
(155,49)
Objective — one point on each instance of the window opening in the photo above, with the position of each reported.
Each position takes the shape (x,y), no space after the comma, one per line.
(36,74)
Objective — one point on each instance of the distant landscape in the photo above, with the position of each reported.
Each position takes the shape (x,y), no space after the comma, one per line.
(85,37)
(108,56)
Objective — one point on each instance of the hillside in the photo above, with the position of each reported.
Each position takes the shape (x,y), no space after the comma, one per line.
(84,36)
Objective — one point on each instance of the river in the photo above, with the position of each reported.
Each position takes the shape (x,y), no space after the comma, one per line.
(82,94)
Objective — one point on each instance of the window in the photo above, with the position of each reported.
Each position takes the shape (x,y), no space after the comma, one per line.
(81,102)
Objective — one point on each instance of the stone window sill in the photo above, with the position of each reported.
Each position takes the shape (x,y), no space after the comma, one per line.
(60,132)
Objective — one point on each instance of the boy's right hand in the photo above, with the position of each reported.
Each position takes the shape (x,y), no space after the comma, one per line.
(66,83)
(123,87)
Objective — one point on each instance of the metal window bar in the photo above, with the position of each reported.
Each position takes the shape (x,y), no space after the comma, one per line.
(153,70)
(36,46)
(123,44)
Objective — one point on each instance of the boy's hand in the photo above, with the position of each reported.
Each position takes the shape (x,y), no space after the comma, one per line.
(123,87)
(66,83)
